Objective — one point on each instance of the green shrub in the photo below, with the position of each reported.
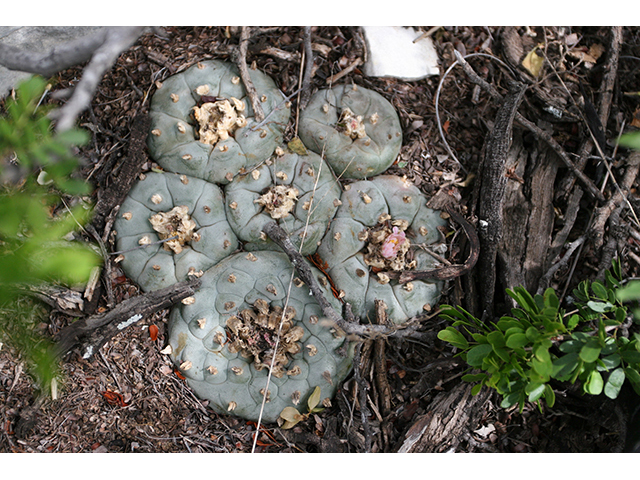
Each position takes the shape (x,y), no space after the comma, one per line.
(520,355)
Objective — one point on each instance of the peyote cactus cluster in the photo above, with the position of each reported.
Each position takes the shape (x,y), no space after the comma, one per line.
(355,129)
(224,337)
(252,317)
(187,210)
(378,231)
(202,122)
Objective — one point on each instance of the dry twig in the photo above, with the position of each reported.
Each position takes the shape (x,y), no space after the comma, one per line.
(240,58)
(308,69)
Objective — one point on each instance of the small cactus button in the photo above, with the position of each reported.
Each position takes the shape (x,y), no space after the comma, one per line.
(357,130)
(229,356)
(381,230)
(297,191)
(171,226)
(203,125)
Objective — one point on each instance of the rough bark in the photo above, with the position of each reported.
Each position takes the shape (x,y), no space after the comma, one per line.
(452,416)
(124,175)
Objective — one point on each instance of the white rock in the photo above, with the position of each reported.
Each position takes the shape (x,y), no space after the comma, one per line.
(391,52)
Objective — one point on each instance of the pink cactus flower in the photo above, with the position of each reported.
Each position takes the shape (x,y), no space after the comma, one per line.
(392,243)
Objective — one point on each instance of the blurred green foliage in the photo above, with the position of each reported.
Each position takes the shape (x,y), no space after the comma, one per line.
(37,166)
(630,140)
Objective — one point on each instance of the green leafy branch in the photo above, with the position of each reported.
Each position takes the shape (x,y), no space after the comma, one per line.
(521,354)
(36,165)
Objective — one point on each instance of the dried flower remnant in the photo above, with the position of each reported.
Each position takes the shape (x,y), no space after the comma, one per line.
(279,200)
(174,223)
(352,124)
(253,333)
(219,119)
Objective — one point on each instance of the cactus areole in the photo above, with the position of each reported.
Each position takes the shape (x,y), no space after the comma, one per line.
(357,130)
(203,125)
(246,321)
(171,226)
(380,229)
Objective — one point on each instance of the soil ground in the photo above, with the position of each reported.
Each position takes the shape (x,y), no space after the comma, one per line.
(150,409)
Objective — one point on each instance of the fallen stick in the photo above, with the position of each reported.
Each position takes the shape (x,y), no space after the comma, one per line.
(240,58)
(96,330)
(350,326)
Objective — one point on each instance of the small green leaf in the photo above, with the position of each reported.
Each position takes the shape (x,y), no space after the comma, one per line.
(507,323)
(476,389)
(599,290)
(544,368)
(599,307)
(614,383)
(570,346)
(474,377)
(511,399)
(480,338)
(551,299)
(634,378)
(590,351)
(524,298)
(541,351)
(573,322)
(454,337)
(594,383)
(477,354)
(565,365)
(549,395)
(532,334)
(517,340)
(630,356)
(496,339)
(534,391)
(621,314)
(502,353)
(610,361)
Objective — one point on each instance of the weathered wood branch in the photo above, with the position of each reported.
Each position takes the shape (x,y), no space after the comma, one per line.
(240,58)
(533,128)
(95,330)
(308,69)
(127,173)
(452,415)
(117,40)
(492,194)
